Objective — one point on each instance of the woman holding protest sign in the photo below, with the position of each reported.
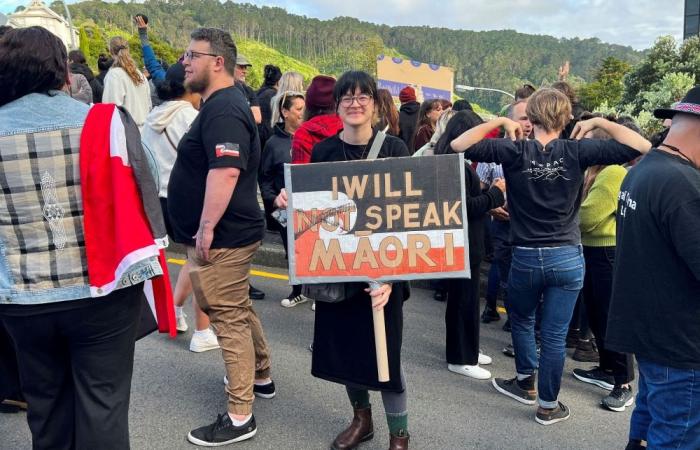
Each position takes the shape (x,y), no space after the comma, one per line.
(462,313)
(344,344)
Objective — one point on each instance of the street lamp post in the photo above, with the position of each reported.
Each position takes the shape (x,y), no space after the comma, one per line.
(462,87)
(70,26)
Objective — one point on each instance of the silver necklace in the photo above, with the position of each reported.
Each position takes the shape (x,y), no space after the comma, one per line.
(364,150)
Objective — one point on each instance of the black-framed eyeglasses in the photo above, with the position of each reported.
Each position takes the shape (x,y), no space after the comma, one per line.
(191,54)
(348,100)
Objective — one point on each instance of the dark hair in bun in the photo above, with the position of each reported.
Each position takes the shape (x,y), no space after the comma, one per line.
(173,86)
(272,75)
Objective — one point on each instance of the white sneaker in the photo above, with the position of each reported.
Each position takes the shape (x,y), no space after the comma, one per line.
(470,371)
(484,360)
(313,306)
(202,342)
(181,324)
(294,301)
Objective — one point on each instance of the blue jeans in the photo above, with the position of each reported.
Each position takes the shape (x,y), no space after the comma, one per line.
(667,414)
(554,275)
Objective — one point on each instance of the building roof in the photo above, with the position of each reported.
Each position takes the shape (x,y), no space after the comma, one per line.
(37,8)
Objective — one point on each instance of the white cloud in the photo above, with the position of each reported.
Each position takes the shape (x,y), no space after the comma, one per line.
(636,23)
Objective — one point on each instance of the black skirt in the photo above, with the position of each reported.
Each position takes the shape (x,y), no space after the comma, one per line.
(344,350)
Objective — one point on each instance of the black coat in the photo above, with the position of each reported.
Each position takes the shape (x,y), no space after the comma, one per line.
(408,120)
(265,95)
(344,350)
(478,204)
(276,154)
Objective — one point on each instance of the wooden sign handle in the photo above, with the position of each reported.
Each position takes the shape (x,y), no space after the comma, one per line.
(380,345)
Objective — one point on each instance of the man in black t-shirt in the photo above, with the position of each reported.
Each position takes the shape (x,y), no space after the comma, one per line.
(213,207)
(655,306)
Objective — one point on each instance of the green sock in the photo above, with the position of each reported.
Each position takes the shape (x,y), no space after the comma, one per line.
(398,423)
(359,398)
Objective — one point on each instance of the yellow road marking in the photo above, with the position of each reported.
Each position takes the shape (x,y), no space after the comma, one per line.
(501,310)
(277,276)
(179,262)
(257,273)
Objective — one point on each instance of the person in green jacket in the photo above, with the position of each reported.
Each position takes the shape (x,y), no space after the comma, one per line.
(601,189)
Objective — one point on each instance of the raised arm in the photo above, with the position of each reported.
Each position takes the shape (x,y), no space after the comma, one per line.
(479,132)
(149,57)
(618,132)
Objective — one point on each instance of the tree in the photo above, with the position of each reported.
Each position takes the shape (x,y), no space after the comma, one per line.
(664,58)
(607,86)
(84,43)
(671,88)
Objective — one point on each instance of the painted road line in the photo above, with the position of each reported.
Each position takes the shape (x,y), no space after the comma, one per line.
(275,276)
(257,273)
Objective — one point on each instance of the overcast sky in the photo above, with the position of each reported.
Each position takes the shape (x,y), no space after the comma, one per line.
(636,23)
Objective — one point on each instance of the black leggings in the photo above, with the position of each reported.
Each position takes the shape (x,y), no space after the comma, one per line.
(597,290)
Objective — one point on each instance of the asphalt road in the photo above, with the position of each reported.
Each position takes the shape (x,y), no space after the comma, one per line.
(175,390)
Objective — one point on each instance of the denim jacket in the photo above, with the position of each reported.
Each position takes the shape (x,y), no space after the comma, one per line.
(42,248)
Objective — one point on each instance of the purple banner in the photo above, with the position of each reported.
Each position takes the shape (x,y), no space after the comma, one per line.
(428,93)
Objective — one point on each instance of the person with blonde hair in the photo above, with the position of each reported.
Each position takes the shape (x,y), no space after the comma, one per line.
(290,82)
(125,85)
(544,178)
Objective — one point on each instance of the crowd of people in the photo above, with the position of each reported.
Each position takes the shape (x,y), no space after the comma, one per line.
(592,234)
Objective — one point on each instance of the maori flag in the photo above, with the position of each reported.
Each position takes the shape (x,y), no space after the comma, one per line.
(385,219)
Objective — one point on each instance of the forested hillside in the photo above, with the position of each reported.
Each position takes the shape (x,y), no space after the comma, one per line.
(499,59)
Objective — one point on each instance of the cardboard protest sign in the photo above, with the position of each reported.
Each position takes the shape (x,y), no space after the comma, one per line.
(384,219)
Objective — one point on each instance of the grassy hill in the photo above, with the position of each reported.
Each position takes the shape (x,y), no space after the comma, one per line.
(499,59)
(94,39)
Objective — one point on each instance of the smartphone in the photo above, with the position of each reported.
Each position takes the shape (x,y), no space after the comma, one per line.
(280,215)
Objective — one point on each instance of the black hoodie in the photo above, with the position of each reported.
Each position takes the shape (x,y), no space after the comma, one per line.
(277,152)
(408,119)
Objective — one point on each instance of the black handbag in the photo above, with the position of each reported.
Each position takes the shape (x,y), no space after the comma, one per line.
(335,292)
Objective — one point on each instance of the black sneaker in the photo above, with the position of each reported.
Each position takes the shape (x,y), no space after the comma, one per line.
(509,351)
(572,338)
(521,391)
(586,351)
(222,432)
(264,390)
(551,416)
(490,315)
(635,444)
(619,399)
(440,295)
(255,294)
(506,326)
(595,376)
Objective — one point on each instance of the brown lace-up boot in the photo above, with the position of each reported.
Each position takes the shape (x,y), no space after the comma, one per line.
(360,430)
(399,442)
